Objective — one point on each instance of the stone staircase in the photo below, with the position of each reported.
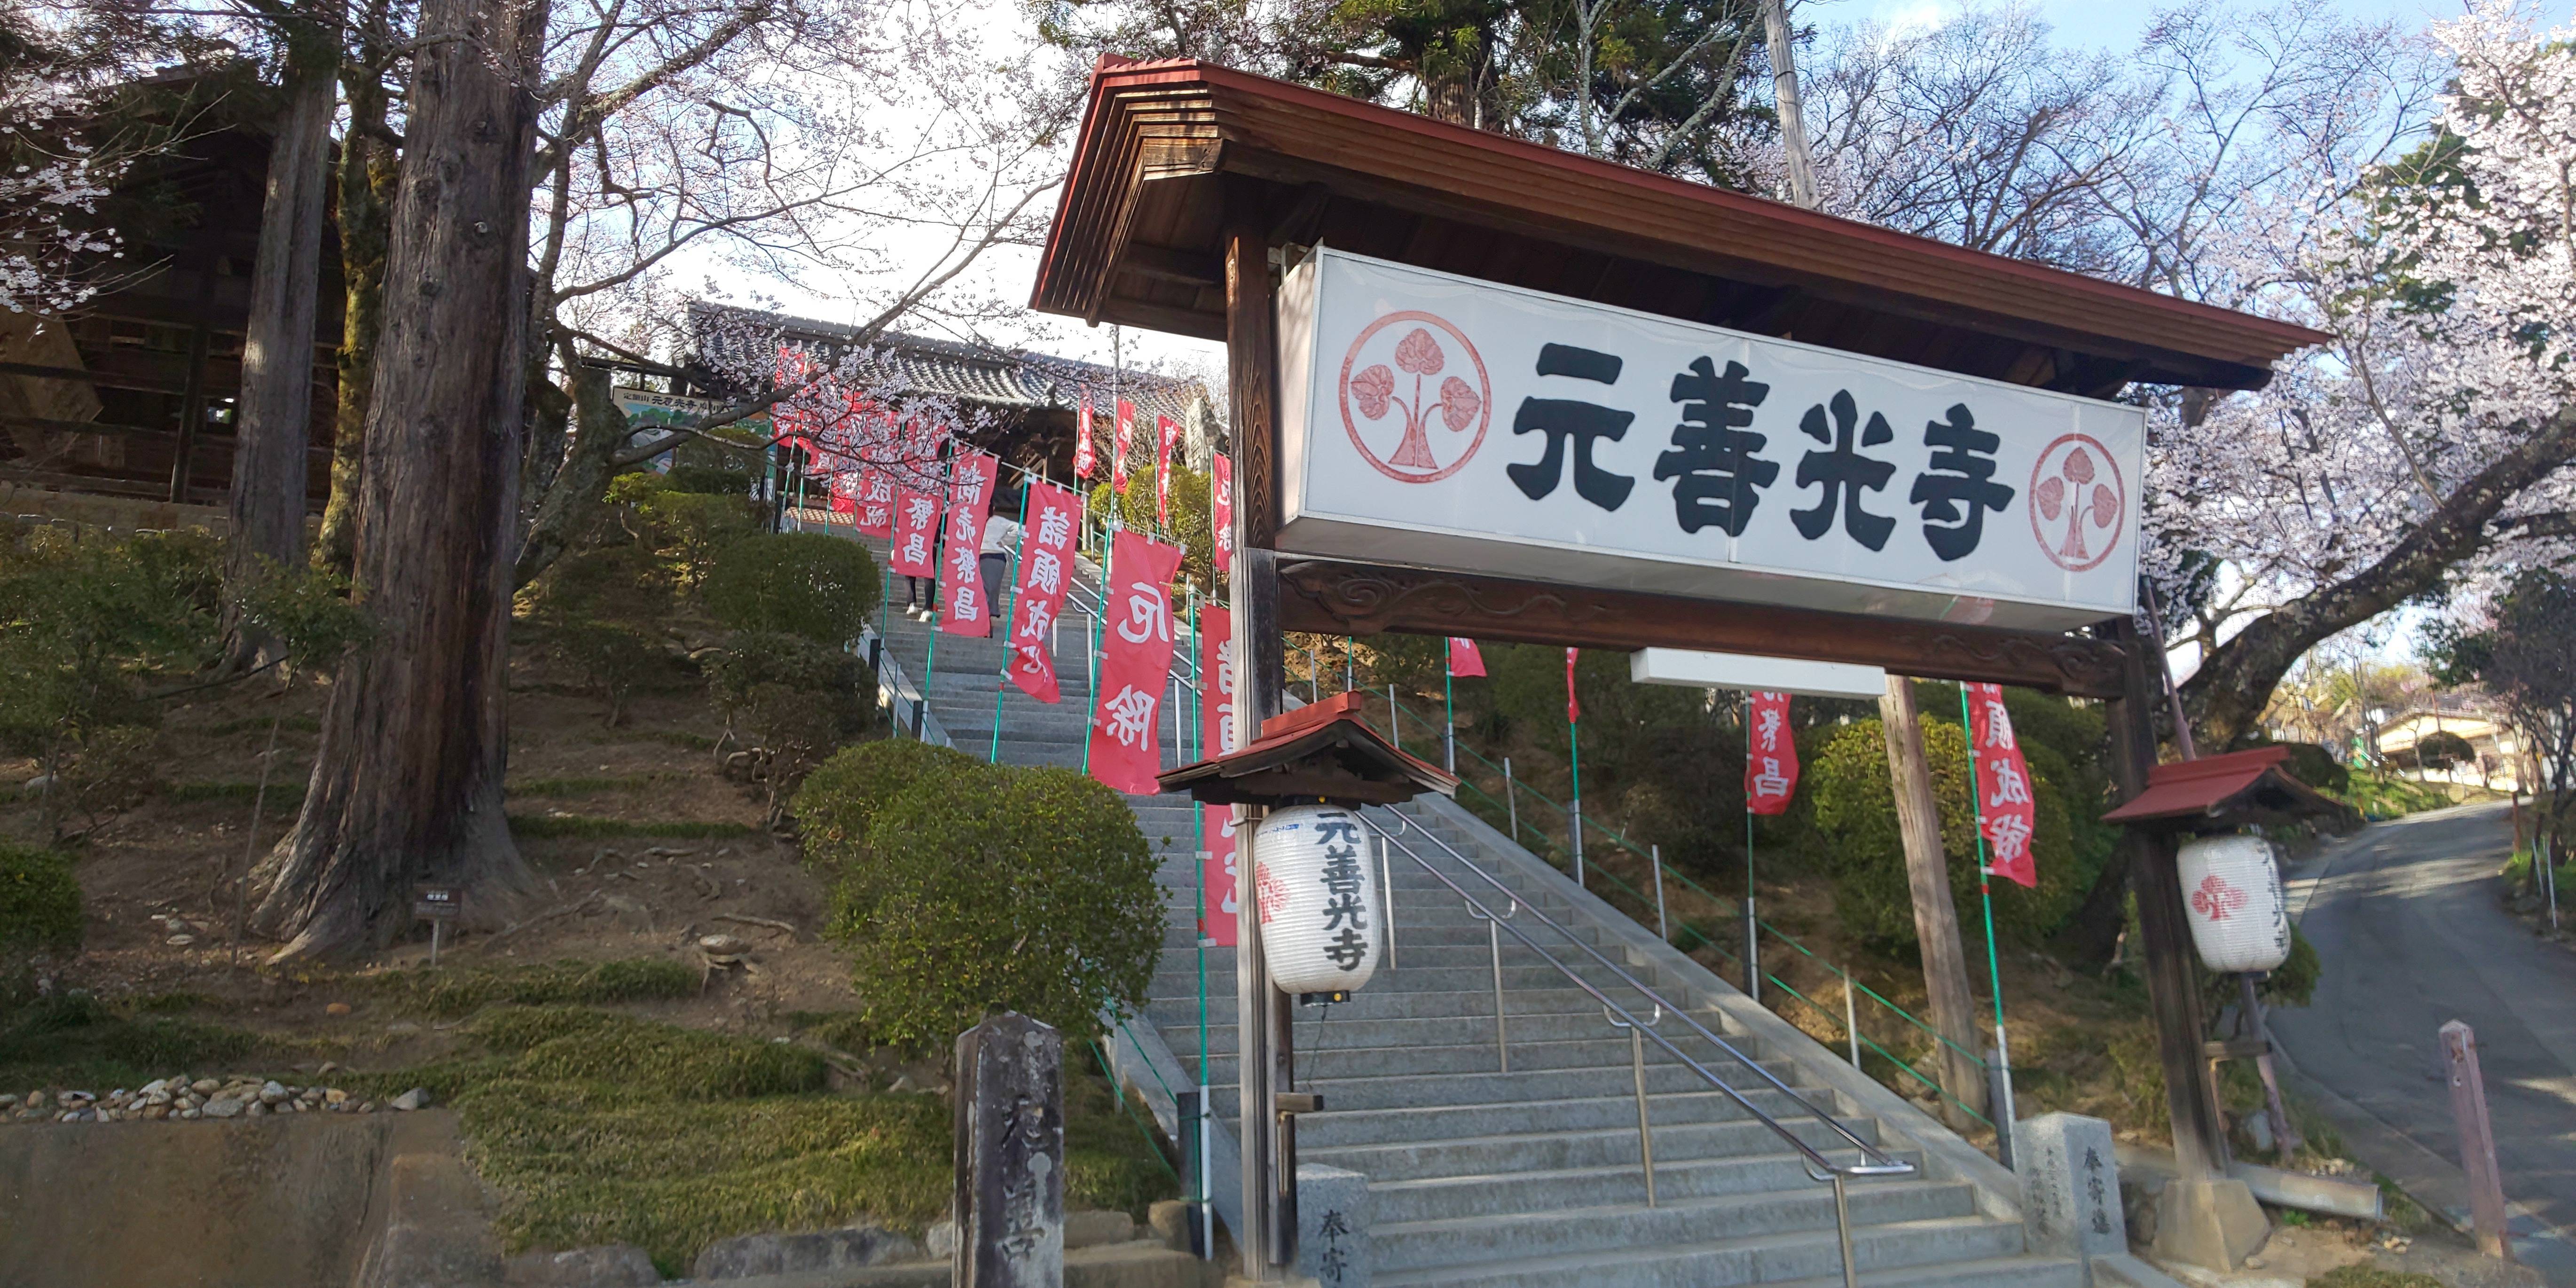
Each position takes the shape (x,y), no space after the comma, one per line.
(1531,1177)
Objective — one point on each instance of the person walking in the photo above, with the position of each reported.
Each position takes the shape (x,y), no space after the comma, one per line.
(993,560)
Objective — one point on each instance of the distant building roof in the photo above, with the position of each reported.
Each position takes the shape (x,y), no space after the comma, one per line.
(989,374)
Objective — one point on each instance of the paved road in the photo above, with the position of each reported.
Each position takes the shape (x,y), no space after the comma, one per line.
(2407,922)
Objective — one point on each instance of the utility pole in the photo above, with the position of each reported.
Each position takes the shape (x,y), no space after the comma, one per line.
(1784,90)
(1918,817)
(1936,918)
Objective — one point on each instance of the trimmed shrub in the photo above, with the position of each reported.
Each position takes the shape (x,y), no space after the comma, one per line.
(798,583)
(1021,889)
(843,795)
(791,702)
(40,901)
(1855,813)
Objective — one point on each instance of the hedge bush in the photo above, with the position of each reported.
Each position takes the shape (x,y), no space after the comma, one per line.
(843,794)
(1855,812)
(40,901)
(1021,889)
(798,583)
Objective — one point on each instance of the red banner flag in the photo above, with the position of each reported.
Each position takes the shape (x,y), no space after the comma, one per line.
(962,608)
(1123,439)
(1221,510)
(1770,754)
(876,504)
(1086,458)
(916,518)
(1135,663)
(1573,705)
(1216,823)
(1046,569)
(2006,812)
(1167,434)
(1464,659)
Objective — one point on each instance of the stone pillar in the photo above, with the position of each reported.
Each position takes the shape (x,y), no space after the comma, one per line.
(1009,1205)
(1332,1226)
(2070,1186)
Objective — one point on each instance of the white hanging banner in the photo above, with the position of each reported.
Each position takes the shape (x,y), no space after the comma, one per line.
(1443,422)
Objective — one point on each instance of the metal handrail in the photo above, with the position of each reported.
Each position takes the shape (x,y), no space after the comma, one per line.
(1888,1165)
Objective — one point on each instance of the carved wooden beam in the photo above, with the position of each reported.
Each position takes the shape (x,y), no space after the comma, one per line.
(1335,598)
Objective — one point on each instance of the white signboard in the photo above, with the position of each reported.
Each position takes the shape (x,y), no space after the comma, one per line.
(1692,669)
(1443,422)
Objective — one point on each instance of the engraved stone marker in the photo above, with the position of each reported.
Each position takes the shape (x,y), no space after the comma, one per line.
(2070,1186)
(1009,1205)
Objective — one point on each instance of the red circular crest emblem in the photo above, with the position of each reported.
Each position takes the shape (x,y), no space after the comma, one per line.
(2078,503)
(1406,377)
(2216,900)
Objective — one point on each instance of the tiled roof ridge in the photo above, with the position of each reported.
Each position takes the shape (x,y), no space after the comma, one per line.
(1036,378)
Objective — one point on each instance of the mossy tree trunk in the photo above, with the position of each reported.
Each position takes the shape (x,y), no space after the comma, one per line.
(267,503)
(368,171)
(407,779)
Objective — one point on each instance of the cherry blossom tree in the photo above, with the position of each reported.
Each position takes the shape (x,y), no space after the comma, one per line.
(2430,442)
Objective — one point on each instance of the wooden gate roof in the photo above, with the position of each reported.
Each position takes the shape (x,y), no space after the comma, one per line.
(1136,240)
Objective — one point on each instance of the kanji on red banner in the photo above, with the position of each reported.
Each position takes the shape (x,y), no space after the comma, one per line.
(1464,659)
(1123,439)
(1221,510)
(1086,458)
(1770,754)
(1573,705)
(1046,569)
(2006,812)
(916,518)
(962,608)
(1135,663)
(1216,824)
(876,504)
(1167,434)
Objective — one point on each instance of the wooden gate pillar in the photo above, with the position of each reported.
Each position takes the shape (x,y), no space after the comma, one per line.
(1262,1016)
(2204,1217)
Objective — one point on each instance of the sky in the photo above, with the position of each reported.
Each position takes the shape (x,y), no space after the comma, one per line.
(2094,24)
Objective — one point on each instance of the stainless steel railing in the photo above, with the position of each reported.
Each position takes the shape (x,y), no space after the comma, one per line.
(1875,1162)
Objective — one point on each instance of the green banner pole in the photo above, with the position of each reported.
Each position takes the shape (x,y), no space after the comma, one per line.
(2003,1117)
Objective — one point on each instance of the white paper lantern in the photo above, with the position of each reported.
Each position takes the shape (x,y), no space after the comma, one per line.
(1322,914)
(2231,890)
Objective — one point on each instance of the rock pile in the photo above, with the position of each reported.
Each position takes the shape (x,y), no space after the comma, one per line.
(179,1097)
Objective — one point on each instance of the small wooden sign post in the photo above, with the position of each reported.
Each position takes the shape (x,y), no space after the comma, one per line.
(2477,1139)
(438,905)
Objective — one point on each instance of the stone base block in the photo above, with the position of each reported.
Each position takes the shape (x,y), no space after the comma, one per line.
(2215,1224)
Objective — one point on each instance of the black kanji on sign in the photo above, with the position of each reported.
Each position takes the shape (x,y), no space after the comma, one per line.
(1341,879)
(1584,423)
(1963,470)
(1844,473)
(1716,476)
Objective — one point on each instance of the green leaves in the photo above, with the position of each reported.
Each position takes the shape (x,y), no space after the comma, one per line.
(984,888)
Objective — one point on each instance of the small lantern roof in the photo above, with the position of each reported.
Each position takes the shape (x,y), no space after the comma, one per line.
(2238,789)
(1323,750)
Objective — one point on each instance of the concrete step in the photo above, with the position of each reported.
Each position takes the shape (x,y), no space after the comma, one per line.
(1454,1197)
(1405,1245)
(1520,1087)
(1947,1253)
(1558,1151)
(1617,1111)
(1414,1034)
